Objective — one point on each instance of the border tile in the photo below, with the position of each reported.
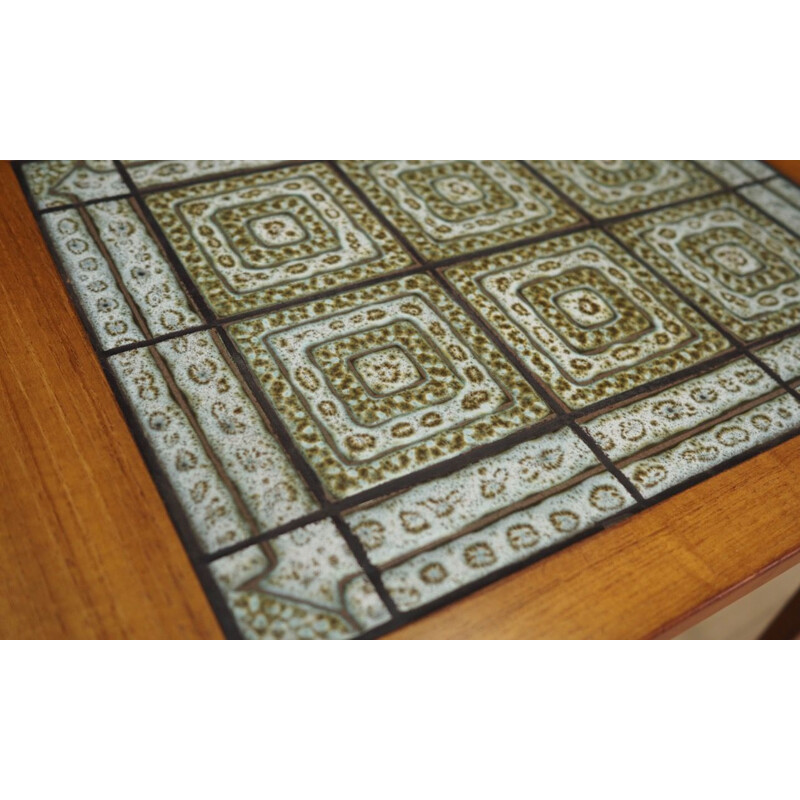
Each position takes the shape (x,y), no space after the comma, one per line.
(303,357)
(257,240)
(687,429)
(608,189)
(147,174)
(61,183)
(737,265)
(584,316)
(779,198)
(783,357)
(232,478)
(125,286)
(453,208)
(304,584)
(736,173)
(445,534)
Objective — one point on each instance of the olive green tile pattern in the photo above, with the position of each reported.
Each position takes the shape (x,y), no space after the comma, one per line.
(147,174)
(61,183)
(445,389)
(231,476)
(367,388)
(607,189)
(585,317)
(304,584)
(671,436)
(735,263)
(454,208)
(437,537)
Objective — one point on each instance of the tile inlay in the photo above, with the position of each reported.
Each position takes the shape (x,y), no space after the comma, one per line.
(367,388)
(612,188)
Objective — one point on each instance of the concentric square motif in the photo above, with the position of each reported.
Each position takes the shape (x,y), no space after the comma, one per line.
(453,208)
(382,381)
(608,189)
(118,273)
(305,584)
(585,317)
(61,183)
(445,534)
(737,265)
(147,174)
(269,237)
(231,477)
(674,435)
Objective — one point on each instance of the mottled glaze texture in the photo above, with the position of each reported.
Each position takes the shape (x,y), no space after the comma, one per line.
(365,388)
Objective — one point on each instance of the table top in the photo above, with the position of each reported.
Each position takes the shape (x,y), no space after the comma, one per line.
(88,549)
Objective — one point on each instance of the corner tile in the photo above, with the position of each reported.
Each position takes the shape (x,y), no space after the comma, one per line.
(777,197)
(62,183)
(736,173)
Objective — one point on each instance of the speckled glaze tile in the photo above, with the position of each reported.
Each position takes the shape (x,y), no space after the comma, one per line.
(454,208)
(736,264)
(231,477)
(444,534)
(147,174)
(368,388)
(125,285)
(304,584)
(736,173)
(779,198)
(608,189)
(585,317)
(437,389)
(270,237)
(672,436)
(61,183)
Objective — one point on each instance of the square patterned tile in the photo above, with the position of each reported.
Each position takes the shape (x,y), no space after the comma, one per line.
(346,438)
(611,188)
(447,533)
(454,208)
(270,237)
(384,380)
(62,183)
(231,477)
(737,265)
(681,432)
(119,274)
(305,584)
(585,317)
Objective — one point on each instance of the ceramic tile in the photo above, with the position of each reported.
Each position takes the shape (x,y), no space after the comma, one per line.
(783,357)
(304,584)
(736,173)
(433,387)
(454,208)
(62,183)
(270,237)
(685,430)
(147,174)
(232,478)
(125,286)
(447,533)
(779,198)
(367,388)
(736,264)
(611,188)
(584,316)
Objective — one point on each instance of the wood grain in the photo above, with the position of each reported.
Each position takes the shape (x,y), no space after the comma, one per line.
(86,546)
(87,549)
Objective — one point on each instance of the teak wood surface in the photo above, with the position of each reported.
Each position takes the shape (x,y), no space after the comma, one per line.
(87,549)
